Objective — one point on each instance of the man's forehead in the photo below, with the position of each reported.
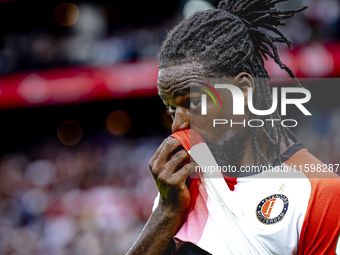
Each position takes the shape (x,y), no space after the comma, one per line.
(178,74)
(180,80)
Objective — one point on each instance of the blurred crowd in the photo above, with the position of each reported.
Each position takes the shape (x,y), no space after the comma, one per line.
(320,22)
(321,135)
(89,41)
(92,199)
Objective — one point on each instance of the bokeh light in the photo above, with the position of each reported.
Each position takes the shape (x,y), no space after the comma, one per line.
(69,133)
(40,173)
(35,201)
(118,122)
(66,14)
(195,5)
(33,89)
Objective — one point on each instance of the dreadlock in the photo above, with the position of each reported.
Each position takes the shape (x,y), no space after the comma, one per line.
(230,40)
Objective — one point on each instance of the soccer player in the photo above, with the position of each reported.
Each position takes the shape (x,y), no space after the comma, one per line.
(283,216)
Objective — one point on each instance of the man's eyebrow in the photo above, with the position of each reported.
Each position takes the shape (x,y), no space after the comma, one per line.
(186,90)
(163,97)
(195,88)
(182,91)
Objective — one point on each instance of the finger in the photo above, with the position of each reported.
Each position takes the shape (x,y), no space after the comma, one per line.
(182,174)
(178,160)
(170,145)
(159,149)
(159,164)
(157,153)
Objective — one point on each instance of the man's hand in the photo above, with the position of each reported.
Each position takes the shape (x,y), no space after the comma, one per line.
(170,173)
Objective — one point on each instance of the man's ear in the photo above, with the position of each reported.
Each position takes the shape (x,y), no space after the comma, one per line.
(244,81)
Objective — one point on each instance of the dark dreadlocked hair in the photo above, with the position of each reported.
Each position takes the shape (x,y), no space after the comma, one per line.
(230,40)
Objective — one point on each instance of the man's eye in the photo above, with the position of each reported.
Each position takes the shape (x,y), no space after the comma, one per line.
(194,103)
(171,109)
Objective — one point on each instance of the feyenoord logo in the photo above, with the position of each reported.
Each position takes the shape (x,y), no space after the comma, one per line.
(272,209)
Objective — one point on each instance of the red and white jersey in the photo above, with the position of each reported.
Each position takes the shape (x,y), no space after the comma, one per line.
(296,214)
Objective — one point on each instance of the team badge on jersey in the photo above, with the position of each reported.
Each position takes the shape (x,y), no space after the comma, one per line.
(272,209)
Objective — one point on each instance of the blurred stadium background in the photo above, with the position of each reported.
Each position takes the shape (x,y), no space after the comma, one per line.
(80,117)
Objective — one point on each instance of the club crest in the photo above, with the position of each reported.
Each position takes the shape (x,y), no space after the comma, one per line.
(272,209)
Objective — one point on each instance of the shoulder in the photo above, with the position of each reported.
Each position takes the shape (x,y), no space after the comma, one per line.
(321,227)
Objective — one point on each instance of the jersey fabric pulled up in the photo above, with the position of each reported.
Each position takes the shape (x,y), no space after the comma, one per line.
(297,213)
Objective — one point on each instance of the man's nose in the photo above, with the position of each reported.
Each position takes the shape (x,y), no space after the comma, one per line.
(181,120)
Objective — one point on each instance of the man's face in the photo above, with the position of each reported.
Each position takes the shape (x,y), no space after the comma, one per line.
(181,86)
